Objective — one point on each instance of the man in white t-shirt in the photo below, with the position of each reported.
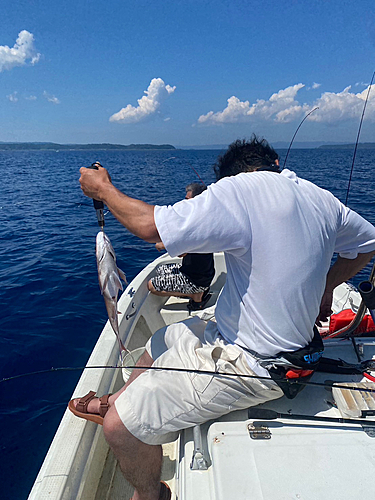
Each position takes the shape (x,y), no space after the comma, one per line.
(278,234)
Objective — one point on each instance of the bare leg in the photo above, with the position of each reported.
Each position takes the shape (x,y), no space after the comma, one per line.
(197,297)
(140,463)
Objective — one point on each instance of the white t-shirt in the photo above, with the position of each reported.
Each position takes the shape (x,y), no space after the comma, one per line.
(278,233)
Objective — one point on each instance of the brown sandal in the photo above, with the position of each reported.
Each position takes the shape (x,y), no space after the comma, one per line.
(81,409)
(165,492)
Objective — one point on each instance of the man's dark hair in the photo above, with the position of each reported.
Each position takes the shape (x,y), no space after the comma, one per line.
(195,188)
(245,156)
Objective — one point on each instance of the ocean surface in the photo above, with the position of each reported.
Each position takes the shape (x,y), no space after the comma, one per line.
(52,312)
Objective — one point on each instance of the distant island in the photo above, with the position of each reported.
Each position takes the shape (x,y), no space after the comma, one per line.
(105,146)
(278,145)
(361,145)
(42,146)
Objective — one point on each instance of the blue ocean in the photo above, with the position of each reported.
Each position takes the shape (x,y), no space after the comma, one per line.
(52,312)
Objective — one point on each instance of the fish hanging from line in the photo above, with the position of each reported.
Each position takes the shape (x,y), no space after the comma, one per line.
(110,277)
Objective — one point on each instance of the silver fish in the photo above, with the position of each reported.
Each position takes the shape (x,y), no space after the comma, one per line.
(109,279)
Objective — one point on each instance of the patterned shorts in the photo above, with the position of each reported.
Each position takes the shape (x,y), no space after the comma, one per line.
(169,278)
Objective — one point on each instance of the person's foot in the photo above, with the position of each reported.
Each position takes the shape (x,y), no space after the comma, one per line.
(90,407)
(197,306)
(165,492)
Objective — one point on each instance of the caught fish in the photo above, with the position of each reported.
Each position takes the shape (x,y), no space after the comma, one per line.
(110,277)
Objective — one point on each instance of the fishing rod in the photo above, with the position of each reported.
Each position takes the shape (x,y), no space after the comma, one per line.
(98,205)
(295,133)
(356,143)
(187,370)
(353,325)
(99,208)
(264,414)
(199,177)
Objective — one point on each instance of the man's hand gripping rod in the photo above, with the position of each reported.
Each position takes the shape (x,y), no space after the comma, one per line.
(98,205)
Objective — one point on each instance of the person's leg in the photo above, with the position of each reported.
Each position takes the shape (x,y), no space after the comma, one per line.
(139,462)
(162,402)
(197,297)
(158,343)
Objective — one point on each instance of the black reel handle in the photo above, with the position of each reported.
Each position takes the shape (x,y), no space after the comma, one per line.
(98,205)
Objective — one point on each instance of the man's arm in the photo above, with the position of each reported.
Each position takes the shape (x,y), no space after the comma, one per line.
(342,270)
(136,215)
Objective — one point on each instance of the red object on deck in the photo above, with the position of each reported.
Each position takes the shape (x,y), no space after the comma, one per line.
(295,373)
(343,318)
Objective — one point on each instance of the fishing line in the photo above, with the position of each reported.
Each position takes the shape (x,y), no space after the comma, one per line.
(356,143)
(183,370)
(191,166)
(295,133)
(199,177)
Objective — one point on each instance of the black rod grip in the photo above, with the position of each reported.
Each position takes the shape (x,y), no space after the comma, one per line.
(265,414)
(98,205)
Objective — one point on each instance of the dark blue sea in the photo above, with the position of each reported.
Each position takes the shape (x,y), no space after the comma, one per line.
(52,312)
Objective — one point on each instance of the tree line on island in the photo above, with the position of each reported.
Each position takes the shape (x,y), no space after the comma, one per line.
(4,146)
(52,146)
(361,145)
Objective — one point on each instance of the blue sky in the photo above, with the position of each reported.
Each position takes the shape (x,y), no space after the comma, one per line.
(185,72)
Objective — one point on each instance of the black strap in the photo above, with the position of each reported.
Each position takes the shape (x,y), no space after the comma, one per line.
(308,357)
(290,387)
(269,169)
(328,365)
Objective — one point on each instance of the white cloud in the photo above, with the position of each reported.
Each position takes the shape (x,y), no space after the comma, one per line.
(13,97)
(316,85)
(23,51)
(31,98)
(234,112)
(148,105)
(51,98)
(344,105)
(283,106)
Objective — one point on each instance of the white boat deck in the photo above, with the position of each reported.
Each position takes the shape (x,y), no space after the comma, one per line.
(302,460)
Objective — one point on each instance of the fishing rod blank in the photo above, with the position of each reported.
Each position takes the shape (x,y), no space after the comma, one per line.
(307,383)
(295,133)
(264,414)
(356,142)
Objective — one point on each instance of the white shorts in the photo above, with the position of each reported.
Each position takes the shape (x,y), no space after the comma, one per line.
(158,404)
